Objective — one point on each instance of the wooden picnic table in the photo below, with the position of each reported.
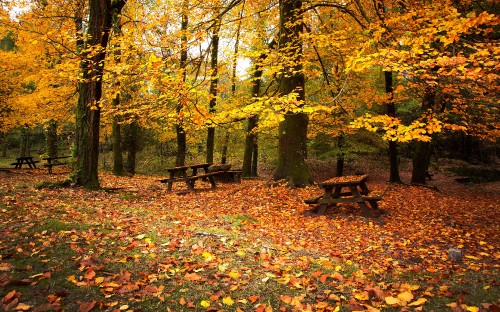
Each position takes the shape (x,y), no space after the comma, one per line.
(347,189)
(54,161)
(28,160)
(181,174)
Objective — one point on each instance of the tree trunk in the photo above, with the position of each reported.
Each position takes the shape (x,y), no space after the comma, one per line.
(116,131)
(3,145)
(88,111)
(132,147)
(225,143)
(25,142)
(393,147)
(292,147)
(255,156)
(214,81)
(423,150)
(340,156)
(51,138)
(250,145)
(180,156)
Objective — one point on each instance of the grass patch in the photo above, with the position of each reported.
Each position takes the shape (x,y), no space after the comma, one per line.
(53,185)
(477,174)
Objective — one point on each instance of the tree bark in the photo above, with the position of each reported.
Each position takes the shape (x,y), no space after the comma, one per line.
(393,147)
(340,156)
(51,138)
(180,156)
(88,111)
(250,146)
(292,147)
(214,81)
(132,147)
(116,131)
(423,150)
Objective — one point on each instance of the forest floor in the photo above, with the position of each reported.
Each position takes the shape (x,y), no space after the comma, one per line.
(254,246)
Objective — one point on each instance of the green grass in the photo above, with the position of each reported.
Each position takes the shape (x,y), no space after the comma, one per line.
(476,174)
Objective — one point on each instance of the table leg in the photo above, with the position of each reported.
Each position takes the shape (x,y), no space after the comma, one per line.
(329,193)
(364,188)
(171,179)
(365,210)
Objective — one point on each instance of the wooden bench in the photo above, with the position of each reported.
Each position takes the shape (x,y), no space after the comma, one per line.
(54,161)
(229,176)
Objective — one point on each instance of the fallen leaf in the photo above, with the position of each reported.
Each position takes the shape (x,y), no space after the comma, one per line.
(392,300)
(87,306)
(418,302)
(228,301)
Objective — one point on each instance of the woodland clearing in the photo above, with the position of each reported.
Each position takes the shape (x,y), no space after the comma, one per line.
(133,246)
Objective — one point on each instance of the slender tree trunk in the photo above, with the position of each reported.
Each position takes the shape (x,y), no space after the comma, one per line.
(292,147)
(51,139)
(3,145)
(25,142)
(423,150)
(88,111)
(116,134)
(132,147)
(340,156)
(393,147)
(255,156)
(225,143)
(214,81)
(180,157)
(250,145)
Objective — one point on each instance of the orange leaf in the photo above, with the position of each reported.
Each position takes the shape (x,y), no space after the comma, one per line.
(323,278)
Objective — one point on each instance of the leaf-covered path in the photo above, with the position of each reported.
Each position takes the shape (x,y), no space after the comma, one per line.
(243,247)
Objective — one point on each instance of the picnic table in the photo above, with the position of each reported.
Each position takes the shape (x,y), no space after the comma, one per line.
(181,174)
(54,161)
(346,189)
(28,160)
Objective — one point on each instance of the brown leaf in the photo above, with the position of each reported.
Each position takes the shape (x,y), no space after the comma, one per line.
(87,306)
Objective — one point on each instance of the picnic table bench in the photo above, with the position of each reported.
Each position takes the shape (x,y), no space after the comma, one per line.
(225,174)
(54,161)
(180,174)
(357,192)
(28,160)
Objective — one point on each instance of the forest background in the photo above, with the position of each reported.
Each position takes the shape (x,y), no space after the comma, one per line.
(218,79)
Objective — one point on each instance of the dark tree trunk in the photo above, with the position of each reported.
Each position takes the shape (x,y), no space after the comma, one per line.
(292,147)
(180,156)
(3,145)
(255,157)
(117,148)
(393,147)
(116,134)
(423,150)
(340,156)
(88,111)
(250,146)
(132,147)
(214,81)
(225,143)
(51,138)
(25,142)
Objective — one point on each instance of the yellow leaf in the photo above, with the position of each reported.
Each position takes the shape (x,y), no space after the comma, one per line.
(205,303)
(418,302)
(228,301)
(124,307)
(405,297)
(470,309)
(208,256)
(99,280)
(391,300)
(22,307)
(234,274)
(362,296)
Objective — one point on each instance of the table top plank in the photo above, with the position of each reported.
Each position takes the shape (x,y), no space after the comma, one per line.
(344,180)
